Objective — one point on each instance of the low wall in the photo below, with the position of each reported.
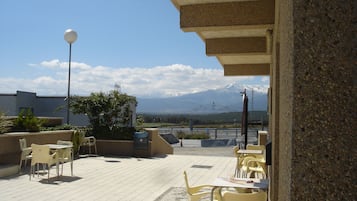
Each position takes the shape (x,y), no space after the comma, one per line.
(115,147)
(10,147)
(157,146)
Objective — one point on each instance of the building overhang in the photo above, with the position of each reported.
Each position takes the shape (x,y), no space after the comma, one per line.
(237,32)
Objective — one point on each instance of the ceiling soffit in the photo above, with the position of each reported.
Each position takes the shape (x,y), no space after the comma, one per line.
(241,45)
(238,33)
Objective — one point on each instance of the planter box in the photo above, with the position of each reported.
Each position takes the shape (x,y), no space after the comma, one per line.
(115,147)
(157,146)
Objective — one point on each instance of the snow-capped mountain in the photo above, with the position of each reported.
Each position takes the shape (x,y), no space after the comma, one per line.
(225,99)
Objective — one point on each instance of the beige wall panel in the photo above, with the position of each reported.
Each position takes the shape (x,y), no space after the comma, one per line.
(246,70)
(235,45)
(245,59)
(230,33)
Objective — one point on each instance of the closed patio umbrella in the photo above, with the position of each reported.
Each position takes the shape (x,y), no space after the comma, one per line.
(244,127)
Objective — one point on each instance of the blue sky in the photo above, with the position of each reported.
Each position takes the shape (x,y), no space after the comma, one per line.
(137,44)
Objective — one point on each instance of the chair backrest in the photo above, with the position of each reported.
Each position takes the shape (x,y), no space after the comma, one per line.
(235,151)
(254,196)
(23,143)
(40,153)
(189,191)
(255,147)
(91,140)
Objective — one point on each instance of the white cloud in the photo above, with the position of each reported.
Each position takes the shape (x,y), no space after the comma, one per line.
(159,81)
(55,63)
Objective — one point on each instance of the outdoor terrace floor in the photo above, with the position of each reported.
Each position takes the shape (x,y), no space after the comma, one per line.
(122,178)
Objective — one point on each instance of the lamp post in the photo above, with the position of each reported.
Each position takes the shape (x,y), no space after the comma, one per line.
(70,36)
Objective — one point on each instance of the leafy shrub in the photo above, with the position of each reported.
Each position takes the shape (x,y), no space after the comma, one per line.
(60,127)
(77,137)
(5,124)
(181,134)
(116,133)
(26,121)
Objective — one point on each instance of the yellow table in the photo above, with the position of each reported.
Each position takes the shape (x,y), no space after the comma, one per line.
(58,148)
(251,183)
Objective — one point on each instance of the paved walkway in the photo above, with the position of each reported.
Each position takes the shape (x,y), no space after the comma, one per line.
(122,178)
(207,151)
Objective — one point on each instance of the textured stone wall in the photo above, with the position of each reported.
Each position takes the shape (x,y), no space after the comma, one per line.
(323,141)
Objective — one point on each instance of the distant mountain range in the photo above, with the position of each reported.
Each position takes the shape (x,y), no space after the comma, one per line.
(225,99)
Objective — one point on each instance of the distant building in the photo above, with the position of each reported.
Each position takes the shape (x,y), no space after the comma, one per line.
(44,106)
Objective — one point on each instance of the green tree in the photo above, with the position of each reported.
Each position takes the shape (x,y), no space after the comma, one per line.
(106,111)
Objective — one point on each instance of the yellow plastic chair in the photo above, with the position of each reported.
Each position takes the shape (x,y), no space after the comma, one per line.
(25,152)
(242,160)
(254,165)
(257,164)
(90,142)
(257,147)
(41,155)
(259,168)
(239,166)
(198,192)
(254,196)
(238,163)
(65,155)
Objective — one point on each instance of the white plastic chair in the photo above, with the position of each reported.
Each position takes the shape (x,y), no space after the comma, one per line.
(25,152)
(198,192)
(90,142)
(41,155)
(65,155)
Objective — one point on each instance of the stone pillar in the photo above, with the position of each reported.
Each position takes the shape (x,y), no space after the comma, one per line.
(317,114)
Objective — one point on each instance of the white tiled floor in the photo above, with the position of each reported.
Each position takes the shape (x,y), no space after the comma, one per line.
(118,178)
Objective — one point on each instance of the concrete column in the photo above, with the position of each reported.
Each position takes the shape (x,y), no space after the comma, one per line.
(317,114)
